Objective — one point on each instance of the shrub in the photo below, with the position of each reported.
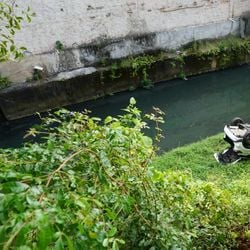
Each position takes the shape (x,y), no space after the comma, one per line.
(12,18)
(89,186)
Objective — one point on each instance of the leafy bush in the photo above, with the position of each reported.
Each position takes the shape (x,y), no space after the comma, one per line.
(89,186)
(11,23)
(220,47)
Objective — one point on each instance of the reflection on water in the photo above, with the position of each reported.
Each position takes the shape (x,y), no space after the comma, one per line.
(195,109)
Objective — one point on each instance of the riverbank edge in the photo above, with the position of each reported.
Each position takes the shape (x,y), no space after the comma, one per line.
(110,77)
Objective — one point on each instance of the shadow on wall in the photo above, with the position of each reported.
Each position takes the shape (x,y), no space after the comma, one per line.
(245,25)
(3,119)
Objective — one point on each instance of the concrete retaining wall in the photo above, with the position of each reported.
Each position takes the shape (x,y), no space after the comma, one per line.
(95,30)
(27,98)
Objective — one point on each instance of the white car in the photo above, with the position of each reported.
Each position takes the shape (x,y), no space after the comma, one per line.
(237,134)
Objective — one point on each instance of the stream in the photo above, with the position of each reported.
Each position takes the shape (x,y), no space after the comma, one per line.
(195,109)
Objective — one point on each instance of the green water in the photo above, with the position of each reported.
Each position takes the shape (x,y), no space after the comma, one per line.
(195,109)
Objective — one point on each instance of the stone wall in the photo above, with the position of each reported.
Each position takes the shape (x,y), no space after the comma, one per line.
(95,30)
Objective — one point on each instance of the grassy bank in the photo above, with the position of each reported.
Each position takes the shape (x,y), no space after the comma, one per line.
(198,161)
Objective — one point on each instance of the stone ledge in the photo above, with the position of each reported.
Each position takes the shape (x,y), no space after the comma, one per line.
(26,99)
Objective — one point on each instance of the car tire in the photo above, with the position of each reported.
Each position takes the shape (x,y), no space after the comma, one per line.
(246,140)
(236,121)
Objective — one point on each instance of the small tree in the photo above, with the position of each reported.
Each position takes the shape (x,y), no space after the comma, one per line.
(10,23)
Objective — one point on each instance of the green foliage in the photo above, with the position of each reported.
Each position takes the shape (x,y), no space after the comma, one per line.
(247,234)
(59,45)
(114,68)
(226,51)
(179,60)
(10,23)
(140,66)
(37,75)
(197,160)
(230,45)
(90,185)
(4,82)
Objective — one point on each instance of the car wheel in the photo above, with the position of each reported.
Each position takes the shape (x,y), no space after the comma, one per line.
(236,121)
(246,140)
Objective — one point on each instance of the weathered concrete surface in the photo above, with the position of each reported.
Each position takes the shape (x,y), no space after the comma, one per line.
(74,73)
(92,31)
(79,22)
(25,99)
(70,59)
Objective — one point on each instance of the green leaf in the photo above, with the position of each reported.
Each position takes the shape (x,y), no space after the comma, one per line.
(112,232)
(59,244)
(24,248)
(115,245)
(12,48)
(20,240)
(70,243)
(13,187)
(28,18)
(3,234)
(105,243)
(12,32)
(132,101)
(44,236)
(108,119)
(120,241)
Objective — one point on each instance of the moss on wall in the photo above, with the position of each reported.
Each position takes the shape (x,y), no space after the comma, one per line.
(125,74)
(194,58)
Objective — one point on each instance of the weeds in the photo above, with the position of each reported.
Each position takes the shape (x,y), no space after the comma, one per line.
(4,82)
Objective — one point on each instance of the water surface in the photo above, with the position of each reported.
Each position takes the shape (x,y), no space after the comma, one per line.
(195,109)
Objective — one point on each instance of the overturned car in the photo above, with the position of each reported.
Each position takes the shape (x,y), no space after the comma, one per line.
(237,134)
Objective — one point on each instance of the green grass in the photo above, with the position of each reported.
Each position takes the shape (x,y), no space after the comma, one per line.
(198,160)
(214,47)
